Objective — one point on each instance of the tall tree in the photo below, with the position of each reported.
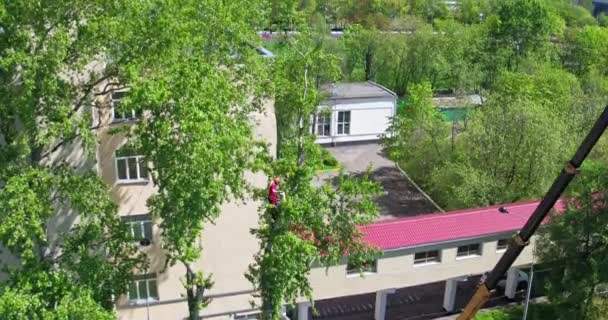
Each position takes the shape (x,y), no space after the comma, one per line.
(361,49)
(575,245)
(199,87)
(48,83)
(419,132)
(312,224)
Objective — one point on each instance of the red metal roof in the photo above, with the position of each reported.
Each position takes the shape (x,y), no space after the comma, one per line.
(454,225)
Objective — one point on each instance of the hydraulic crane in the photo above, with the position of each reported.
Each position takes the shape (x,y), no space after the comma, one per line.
(520,240)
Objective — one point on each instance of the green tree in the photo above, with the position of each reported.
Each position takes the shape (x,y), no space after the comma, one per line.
(47,87)
(78,305)
(473,11)
(519,29)
(587,51)
(361,49)
(419,133)
(197,133)
(429,9)
(312,224)
(575,245)
(573,14)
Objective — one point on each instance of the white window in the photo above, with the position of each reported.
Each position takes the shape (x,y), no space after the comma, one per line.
(140,226)
(130,166)
(323,124)
(143,289)
(122,115)
(344,122)
(367,267)
(427,257)
(469,250)
(248,316)
(502,244)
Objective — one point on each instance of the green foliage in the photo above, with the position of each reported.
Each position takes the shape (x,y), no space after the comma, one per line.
(429,9)
(573,14)
(587,51)
(79,305)
(418,123)
(311,224)
(540,311)
(45,102)
(328,160)
(197,133)
(361,46)
(575,244)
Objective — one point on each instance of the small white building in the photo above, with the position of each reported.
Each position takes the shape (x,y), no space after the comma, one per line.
(359,111)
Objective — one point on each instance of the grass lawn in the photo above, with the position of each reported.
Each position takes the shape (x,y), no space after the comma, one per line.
(535,312)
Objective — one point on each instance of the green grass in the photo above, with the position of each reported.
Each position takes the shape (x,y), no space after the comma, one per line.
(535,312)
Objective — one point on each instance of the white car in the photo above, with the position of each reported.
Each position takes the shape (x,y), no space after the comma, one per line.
(522,281)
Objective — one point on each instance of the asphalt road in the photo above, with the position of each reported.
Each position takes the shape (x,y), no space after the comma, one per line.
(400,198)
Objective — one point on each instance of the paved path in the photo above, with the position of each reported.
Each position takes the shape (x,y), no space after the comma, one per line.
(400,198)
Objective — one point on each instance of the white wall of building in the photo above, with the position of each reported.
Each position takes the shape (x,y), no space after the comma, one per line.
(397,270)
(369,120)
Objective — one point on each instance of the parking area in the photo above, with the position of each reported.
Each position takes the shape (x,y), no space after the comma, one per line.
(400,198)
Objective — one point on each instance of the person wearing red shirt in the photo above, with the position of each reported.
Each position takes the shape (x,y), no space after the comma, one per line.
(273,191)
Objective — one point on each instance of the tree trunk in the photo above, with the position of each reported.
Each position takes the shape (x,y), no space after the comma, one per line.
(194,291)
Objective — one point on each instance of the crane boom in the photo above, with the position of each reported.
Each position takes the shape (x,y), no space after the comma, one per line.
(519,241)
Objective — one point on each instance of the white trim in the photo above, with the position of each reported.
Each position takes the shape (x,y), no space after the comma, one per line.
(139,179)
(349,122)
(148,299)
(469,255)
(360,274)
(426,264)
(472,256)
(501,250)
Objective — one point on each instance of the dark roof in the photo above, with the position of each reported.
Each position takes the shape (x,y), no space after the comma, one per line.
(449,226)
(355,90)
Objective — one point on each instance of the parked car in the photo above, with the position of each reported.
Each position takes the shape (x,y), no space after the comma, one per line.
(522,281)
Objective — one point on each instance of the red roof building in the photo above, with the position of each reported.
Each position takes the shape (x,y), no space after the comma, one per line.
(455,225)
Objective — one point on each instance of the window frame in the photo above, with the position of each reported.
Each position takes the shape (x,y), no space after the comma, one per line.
(139,161)
(319,123)
(147,279)
(343,123)
(500,248)
(371,267)
(469,253)
(427,260)
(123,115)
(253,315)
(142,220)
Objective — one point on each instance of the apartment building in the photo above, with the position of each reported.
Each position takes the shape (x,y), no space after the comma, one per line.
(228,244)
(417,250)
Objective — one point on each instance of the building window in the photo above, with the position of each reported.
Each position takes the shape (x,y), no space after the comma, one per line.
(367,267)
(470,250)
(248,316)
(122,115)
(427,257)
(344,122)
(143,289)
(502,244)
(130,166)
(140,226)
(323,125)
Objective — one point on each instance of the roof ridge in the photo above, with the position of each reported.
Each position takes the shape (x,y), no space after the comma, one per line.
(449,213)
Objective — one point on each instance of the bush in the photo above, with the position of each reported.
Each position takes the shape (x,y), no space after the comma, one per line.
(328,159)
